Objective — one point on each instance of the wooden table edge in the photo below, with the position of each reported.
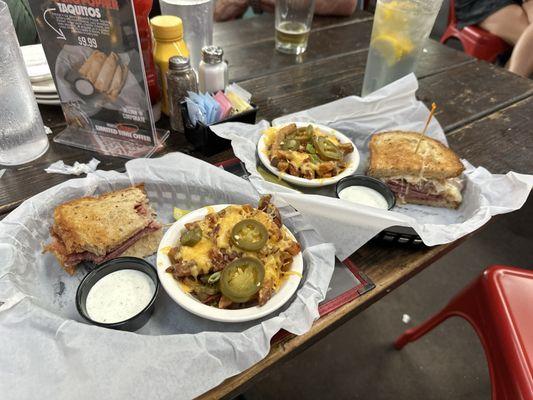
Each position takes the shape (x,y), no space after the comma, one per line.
(294,344)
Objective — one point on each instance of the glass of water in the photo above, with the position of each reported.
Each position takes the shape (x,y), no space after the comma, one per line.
(22,136)
(293,23)
(197,17)
(399,33)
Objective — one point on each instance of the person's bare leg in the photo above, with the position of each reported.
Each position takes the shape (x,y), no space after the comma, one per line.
(521,61)
(508,23)
(513,24)
(528,8)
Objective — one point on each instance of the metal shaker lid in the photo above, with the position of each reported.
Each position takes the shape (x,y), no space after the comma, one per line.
(178,63)
(212,54)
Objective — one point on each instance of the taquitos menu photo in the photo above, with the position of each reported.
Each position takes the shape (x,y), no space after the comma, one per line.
(93,51)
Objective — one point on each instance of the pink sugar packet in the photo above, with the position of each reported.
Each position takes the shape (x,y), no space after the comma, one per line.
(225,104)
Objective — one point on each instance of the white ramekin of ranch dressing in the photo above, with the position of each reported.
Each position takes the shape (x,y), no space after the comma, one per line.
(121,296)
(364,195)
(365,190)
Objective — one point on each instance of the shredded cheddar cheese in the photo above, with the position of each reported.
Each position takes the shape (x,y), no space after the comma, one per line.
(304,152)
(216,237)
(293,273)
(165,250)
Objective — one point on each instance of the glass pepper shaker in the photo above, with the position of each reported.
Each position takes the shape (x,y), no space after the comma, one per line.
(181,78)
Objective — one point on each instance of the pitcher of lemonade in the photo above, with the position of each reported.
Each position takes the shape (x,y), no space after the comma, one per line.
(400,30)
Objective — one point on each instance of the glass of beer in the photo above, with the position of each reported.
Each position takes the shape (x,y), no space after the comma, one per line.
(293,23)
(399,33)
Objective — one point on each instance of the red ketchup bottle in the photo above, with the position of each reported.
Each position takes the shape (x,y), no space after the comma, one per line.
(142,10)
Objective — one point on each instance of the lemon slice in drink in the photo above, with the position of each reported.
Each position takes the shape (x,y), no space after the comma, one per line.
(392,48)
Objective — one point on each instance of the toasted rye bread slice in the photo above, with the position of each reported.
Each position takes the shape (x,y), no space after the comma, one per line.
(395,154)
(146,246)
(445,203)
(101,223)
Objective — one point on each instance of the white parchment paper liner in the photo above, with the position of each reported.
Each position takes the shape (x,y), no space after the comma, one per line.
(47,353)
(348,225)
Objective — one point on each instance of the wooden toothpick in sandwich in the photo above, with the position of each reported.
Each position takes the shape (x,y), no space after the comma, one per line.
(431,113)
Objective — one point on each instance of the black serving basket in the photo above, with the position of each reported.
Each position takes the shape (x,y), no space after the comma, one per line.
(204,139)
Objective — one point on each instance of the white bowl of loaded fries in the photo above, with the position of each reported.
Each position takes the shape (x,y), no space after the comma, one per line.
(307,154)
(230,263)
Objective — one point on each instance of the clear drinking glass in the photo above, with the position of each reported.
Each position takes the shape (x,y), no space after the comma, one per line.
(197,17)
(22,135)
(400,30)
(293,23)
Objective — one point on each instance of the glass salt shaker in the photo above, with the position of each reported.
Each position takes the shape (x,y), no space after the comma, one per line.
(181,78)
(213,71)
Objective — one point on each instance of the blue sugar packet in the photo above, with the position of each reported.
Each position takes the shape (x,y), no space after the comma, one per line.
(208,108)
(195,113)
(199,101)
(214,108)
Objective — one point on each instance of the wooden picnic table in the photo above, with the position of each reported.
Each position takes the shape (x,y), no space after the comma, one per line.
(484,110)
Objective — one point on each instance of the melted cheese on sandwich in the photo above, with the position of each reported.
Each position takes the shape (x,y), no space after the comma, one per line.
(450,188)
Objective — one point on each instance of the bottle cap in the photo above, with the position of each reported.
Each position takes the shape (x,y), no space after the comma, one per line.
(178,63)
(167,27)
(212,54)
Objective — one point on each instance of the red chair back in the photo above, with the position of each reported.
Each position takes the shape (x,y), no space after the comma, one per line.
(509,299)
(475,41)
(499,306)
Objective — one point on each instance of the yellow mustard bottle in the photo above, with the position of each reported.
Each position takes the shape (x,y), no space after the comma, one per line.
(168,42)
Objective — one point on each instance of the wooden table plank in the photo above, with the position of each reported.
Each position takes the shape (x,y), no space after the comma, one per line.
(302,86)
(436,58)
(460,91)
(52,116)
(24,181)
(509,146)
(245,31)
(401,264)
(261,58)
(469,92)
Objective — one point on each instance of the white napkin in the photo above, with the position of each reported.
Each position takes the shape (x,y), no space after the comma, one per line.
(36,64)
(59,167)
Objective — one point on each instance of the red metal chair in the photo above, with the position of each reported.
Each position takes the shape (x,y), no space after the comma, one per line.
(499,305)
(476,41)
